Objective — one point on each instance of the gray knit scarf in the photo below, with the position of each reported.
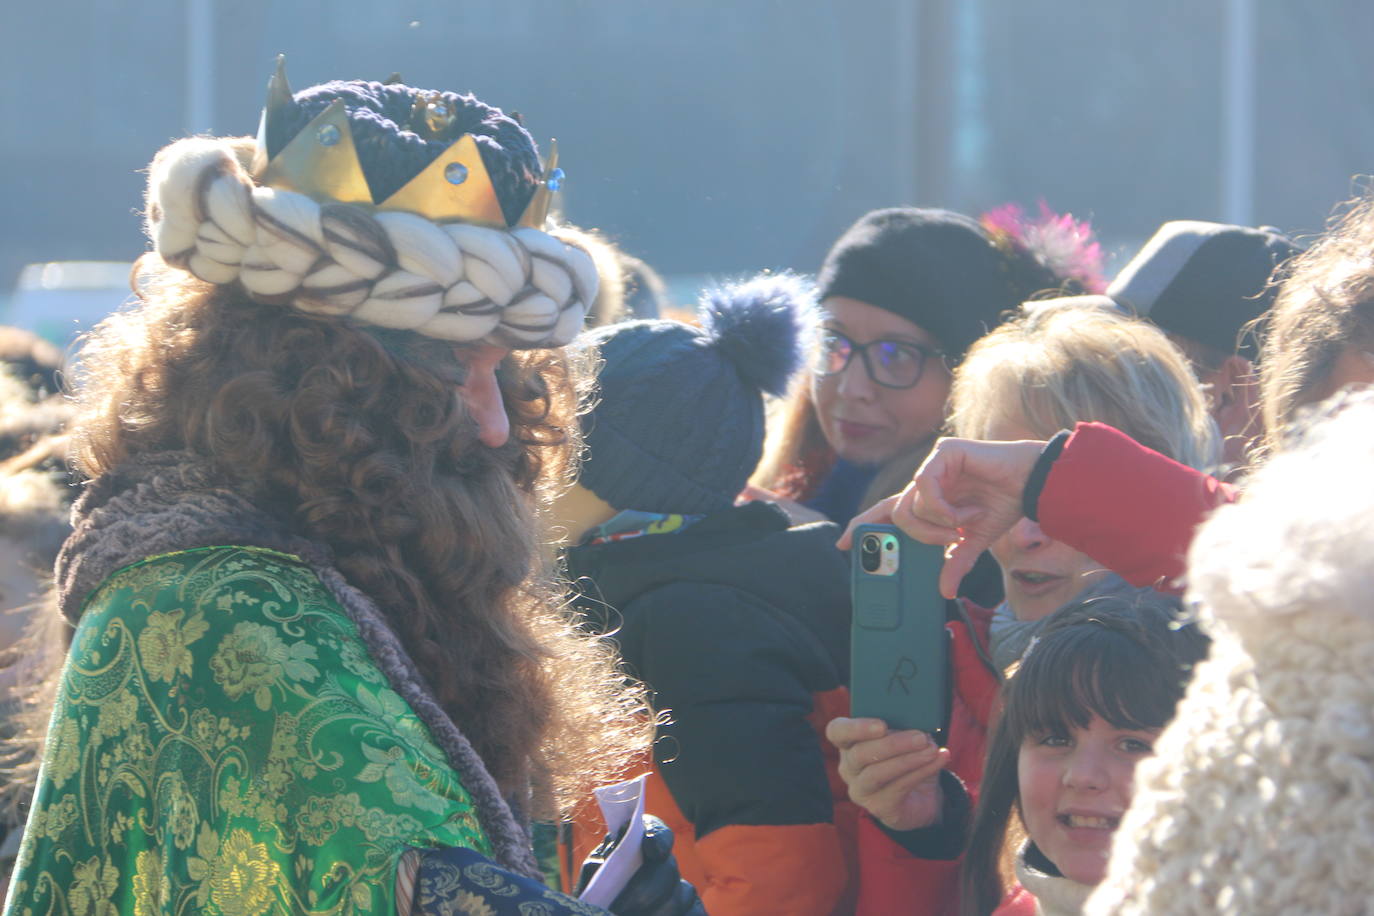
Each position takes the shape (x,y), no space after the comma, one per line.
(175,501)
(1008,637)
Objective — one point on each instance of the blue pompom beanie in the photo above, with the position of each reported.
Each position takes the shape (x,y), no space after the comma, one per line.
(679,422)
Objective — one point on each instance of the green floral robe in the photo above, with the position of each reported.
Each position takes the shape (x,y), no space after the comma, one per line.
(222,743)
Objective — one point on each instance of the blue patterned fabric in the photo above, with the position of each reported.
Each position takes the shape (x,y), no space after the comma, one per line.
(458,882)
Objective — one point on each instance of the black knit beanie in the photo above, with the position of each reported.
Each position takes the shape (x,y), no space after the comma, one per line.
(679,423)
(1204,281)
(935,268)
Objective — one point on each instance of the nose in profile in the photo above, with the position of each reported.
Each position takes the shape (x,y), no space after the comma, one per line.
(1086,769)
(1027,535)
(854,382)
(481,393)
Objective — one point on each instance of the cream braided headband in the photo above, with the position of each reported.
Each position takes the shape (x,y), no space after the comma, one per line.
(519,288)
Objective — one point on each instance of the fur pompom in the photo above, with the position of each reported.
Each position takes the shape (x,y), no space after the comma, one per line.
(761,326)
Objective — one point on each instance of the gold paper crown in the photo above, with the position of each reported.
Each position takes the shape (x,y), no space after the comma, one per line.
(321,162)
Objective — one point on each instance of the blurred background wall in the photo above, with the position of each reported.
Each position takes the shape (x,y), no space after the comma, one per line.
(712,137)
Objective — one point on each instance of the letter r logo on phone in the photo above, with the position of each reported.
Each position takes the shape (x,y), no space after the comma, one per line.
(905,671)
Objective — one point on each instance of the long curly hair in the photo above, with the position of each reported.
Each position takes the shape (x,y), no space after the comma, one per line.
(1324,307)
(356,437)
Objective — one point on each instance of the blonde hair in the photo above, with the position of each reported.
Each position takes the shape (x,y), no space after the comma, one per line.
(794,432)
(1325,305)
(1054,367)
(609,305)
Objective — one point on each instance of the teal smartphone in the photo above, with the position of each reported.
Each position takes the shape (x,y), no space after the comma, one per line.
(899,648)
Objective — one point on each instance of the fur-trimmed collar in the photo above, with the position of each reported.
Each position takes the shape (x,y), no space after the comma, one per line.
(176,501)
(1054,895)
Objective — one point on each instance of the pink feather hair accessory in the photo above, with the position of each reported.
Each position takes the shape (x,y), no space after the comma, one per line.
(1062,244)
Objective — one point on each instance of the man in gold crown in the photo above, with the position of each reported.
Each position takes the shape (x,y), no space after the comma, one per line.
(313,669)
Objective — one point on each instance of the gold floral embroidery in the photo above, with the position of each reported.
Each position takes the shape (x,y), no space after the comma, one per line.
(143,577)
(181,814)
(117,715)
(253,658)
(65,754)
(205,728)
(356,661)
(401,778)
(150,886)
(120,825)
(93,883)
(470,904)
(243,877)
(163,643)
(51,822)
(377,824)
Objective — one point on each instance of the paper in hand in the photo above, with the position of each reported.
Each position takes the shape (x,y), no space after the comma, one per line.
(622,805)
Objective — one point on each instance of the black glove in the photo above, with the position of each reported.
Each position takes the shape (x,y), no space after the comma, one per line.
(656,889)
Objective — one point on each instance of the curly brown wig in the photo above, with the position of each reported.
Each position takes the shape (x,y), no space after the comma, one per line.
(357,437)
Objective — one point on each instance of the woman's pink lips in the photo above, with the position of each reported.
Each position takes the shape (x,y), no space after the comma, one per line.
(851,430)
(1111,815)
(1036,588)
(1089,836)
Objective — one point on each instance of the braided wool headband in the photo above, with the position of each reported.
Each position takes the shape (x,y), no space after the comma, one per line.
(454,281)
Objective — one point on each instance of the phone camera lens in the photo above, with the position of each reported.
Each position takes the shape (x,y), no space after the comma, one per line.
(869,552)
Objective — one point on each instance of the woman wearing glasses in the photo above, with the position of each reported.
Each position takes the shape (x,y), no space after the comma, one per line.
(905,292)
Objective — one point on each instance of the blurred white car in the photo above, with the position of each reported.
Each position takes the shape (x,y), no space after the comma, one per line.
(61,299)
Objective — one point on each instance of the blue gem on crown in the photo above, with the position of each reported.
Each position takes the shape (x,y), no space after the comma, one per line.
(456,173)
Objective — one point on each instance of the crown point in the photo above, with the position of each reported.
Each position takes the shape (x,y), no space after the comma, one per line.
(278,87)
(393,79)
(272,136)
(470,196)
(321,161)
(537,211)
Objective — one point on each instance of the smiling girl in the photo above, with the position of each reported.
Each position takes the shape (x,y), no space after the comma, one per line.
(1081,710)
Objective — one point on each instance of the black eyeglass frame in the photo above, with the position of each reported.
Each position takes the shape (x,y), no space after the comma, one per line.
(923,357)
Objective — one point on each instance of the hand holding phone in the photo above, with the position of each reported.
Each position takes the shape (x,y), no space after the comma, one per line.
(899,655)
(894,776)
